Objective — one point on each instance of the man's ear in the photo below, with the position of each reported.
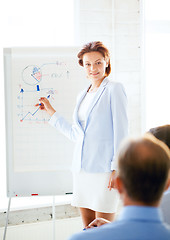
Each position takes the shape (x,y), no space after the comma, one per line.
(119,184)
(167,184)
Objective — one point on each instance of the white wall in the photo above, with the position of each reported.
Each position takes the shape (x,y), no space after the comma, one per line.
(127,55)
(117,24)
(95,21)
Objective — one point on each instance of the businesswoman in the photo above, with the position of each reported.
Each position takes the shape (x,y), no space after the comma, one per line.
(99,125)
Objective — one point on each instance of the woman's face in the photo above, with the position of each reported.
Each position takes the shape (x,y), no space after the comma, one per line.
(94,65)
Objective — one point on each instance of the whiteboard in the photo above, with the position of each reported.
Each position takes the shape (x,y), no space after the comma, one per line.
(38,157)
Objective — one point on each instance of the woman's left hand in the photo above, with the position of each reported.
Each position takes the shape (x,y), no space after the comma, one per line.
(112,180)
(97,223)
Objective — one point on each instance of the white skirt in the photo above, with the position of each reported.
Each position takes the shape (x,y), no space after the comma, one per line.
(90,190)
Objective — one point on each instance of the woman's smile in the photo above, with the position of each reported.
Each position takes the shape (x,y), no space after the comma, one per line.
(95,65)
(94,74)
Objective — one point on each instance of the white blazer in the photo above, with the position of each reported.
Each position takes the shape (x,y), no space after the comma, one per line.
(106,126)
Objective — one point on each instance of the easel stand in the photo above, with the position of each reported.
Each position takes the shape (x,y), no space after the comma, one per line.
(9,203)
(53,217)
(7,217)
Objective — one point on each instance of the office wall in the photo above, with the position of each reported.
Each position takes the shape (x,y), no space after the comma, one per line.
(117,24)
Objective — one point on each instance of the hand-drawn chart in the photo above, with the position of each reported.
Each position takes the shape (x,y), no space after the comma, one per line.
(32,87)
(32,75)
(38,156)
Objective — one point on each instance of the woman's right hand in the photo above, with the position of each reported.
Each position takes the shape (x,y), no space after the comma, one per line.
(45,105)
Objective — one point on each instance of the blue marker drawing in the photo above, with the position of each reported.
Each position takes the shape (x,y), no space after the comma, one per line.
(36,73)
(32,74)
(38,88)
(35,70)
(30,114)
(34,77)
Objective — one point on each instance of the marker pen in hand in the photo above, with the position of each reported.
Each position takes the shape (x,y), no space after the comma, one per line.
(47,98)
(88,228)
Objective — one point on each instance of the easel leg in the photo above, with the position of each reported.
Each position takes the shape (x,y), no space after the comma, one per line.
(9,203)
(53,217)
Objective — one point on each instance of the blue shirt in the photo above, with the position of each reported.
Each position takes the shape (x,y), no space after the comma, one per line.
(134,223)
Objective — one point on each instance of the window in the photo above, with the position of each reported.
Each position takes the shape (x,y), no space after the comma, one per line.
(31,23)
(157,62)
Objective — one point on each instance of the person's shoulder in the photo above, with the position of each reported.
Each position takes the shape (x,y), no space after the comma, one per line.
(123,230)
(88,234)
(167,227)
(162,231)
(99,233)
(115,86)
(75,236)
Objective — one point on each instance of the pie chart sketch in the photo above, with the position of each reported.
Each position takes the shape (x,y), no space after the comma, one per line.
(32,75)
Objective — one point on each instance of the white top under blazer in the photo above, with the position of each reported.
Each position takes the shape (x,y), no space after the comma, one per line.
(105,127)
(84,106)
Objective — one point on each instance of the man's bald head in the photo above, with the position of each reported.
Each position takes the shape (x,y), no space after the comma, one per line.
(143,166)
